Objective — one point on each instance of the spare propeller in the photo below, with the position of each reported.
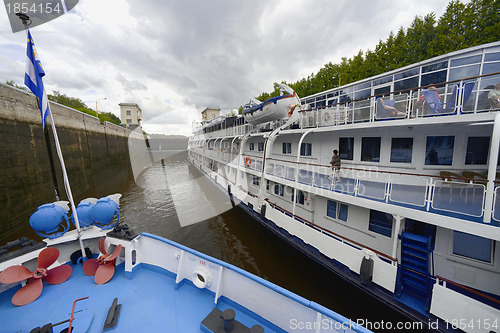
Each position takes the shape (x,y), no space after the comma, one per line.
(103,267)
(33,289)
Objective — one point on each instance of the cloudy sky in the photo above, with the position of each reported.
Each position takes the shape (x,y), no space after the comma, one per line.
(176,57)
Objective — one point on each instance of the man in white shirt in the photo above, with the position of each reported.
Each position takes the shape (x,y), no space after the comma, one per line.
(494,97)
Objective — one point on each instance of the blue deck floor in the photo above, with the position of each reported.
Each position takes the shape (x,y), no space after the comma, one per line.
(150,303)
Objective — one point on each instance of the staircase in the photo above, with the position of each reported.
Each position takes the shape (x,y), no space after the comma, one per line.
(414,279)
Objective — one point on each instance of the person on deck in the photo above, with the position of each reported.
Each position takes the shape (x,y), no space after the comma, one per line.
(336,164)
(421,100)
(494,97)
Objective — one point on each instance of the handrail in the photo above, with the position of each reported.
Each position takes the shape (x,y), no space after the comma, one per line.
(371,170)
(394,92)
(331,232)
(344,103)
(478,293)
(467,180)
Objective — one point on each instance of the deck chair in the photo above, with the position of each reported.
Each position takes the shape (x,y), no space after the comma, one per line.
(382,112)
(475,177)
(467,91)
(434,104)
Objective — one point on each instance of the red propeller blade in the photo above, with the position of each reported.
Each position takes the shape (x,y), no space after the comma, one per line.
(102,246)
(104,273)
(90,267)
(15,274)
(115,254)
(28,293)
(59,274)
(47,257)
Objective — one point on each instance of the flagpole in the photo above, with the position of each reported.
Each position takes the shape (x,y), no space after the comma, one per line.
(66,183)
(67,187)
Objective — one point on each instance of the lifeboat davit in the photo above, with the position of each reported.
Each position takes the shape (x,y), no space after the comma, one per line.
(275,108)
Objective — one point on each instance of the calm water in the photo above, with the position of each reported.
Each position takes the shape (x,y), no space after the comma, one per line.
(148,206)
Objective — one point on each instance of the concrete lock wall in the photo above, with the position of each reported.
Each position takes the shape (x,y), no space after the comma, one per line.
(96,158)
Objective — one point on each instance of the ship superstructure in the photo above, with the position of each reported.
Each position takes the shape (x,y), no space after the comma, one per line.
(413,218)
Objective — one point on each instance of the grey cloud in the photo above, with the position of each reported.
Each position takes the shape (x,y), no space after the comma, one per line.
(202,53)
(130,85)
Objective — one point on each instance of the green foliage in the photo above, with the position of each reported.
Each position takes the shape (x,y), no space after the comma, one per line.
(460,27)
(78,104)
(74,103)
(13,84)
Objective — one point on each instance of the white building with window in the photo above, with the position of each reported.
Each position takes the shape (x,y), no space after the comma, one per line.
(210,113)
(131,115)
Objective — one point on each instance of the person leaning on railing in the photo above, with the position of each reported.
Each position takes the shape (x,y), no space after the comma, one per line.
(494,97)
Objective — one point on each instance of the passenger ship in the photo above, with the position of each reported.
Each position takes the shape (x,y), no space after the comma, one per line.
(414,218)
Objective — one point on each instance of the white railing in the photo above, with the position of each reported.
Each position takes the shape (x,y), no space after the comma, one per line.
(457,97)
(424,192)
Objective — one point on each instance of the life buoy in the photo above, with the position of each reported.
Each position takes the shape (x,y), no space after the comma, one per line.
(248,161)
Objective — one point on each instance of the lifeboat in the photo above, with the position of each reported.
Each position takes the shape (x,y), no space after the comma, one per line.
(275,108)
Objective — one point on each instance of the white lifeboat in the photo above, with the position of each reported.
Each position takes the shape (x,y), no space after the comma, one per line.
(275,108)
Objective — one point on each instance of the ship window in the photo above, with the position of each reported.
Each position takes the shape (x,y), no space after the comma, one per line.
(344,99)
(370,149)
(434,67)
(461,72)
(477,150)
(492,56)
(472,246)
(267,184)
(362,94)
(439,150)
(306,149)
(301,197)
(401,150)
(380,222)
(346,148)
(252,146)
(320,104)
(406,84)
(492,67)
(433,78)
(255,180)
(337,210)
(411,72)
(382,80)
(465,61)
(332,101)
(287,148)
(279,190)
(260,146)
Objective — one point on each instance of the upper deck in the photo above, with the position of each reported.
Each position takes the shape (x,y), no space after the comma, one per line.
(463,80)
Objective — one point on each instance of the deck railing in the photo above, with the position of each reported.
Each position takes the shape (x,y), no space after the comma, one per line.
(419,191)
(465,196)
(457,97)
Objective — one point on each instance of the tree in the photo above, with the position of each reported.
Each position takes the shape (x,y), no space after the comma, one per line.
(461,26)
(13,84)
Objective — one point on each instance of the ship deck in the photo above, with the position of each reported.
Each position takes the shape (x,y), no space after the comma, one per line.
(150,301)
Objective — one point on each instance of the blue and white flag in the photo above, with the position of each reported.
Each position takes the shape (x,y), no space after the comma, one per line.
(33,78)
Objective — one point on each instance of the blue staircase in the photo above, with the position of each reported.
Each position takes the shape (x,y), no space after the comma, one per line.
(414,279)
